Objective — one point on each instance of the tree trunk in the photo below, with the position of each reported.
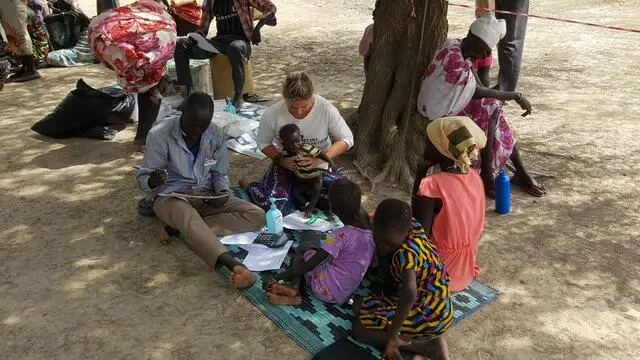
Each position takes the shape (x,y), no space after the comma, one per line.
(390,132)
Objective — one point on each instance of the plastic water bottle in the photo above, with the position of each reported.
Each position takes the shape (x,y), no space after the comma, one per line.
(503,193)
(274,218)
(230,108)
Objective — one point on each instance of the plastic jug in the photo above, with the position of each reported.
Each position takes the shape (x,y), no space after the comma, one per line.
(230,108)
(503,193)
(274,218)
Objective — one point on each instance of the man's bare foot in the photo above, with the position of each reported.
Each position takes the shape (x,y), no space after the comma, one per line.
(165,238)
(276,299)
(241,277)
(166,233)
(280,289)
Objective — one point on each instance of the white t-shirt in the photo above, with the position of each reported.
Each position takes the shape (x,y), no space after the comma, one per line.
(323,120)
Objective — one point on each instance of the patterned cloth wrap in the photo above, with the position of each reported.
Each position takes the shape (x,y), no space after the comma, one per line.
(189,12)
(136,41)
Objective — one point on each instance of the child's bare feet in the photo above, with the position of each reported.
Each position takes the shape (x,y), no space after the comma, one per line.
(241,277)
(276,299)
(280,289)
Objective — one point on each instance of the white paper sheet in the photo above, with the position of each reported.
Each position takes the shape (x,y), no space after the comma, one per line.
(262,258)
(245,238)
(297,221)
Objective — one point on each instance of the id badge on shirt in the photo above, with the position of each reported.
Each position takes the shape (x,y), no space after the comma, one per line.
(210,162)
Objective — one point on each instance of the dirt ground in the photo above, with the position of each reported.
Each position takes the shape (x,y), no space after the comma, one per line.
(82,276)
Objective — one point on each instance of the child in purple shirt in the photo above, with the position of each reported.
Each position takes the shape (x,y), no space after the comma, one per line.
(335,269)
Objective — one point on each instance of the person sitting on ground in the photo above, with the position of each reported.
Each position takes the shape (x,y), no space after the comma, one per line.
(317,119)
(189,156)
(68,27)
(308,184)
(451,87)
(424,310)
(450,204)
(65,24)
(335,268)
(235,35)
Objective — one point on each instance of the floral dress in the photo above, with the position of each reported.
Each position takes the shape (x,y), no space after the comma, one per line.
(136,41)
(447,90)
(432,313)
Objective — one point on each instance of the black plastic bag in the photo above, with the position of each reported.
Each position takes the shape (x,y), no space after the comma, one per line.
(86,108)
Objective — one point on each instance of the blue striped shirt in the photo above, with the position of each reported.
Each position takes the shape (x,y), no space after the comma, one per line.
(166,149)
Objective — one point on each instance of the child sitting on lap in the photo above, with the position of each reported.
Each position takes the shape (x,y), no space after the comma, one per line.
(424,310)
(335,269)
(306,191)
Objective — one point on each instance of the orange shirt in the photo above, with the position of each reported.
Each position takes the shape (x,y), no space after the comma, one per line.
(459,224)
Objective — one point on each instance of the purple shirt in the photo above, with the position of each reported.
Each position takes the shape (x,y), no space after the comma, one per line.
(351,250)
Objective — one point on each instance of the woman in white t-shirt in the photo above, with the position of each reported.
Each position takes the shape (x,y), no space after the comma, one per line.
(318,120)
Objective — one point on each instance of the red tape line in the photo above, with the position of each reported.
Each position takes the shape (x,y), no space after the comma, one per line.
(550,18)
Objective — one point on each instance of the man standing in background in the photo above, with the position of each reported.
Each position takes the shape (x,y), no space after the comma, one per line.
(511,46)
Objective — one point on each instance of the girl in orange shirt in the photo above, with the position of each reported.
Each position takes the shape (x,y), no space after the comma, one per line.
(451,204)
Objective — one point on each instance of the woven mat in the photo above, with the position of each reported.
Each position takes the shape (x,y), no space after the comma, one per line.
(314,324)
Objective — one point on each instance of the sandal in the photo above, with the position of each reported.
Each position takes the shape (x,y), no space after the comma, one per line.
(253,98)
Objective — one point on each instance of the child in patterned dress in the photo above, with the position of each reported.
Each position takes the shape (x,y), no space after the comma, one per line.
(424,310)
(335,269)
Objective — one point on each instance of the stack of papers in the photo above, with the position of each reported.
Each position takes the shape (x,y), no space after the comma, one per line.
(259,257)
(297,221)
(262,258)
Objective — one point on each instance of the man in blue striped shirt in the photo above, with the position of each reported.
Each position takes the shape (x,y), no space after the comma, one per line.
(189,156)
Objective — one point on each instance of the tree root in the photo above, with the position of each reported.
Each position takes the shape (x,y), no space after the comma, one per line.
(362,173)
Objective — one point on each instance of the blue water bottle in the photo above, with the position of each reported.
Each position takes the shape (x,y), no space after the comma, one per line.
(503,193)
(230,108)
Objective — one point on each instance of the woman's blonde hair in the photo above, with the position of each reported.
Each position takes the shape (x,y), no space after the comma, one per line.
(297,85)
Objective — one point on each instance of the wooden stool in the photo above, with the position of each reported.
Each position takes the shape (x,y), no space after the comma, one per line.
(222,81)
(220,68)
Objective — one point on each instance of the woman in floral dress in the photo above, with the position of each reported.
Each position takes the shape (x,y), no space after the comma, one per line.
(136,41)
(451,87)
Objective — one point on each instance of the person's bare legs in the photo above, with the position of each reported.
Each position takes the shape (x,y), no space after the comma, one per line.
(183,216)
(433,348)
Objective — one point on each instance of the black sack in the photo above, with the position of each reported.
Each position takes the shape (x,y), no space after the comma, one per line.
(86,108)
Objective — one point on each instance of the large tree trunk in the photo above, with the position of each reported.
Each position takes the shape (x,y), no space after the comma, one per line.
(390,132)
